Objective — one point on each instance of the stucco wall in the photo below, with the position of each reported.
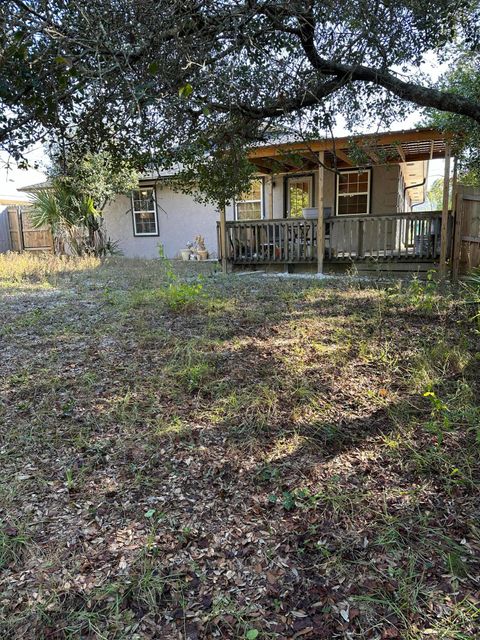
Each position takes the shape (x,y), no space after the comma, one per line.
(385,188)
(180,219)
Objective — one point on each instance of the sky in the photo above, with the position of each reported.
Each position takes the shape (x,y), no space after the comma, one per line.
(12,178)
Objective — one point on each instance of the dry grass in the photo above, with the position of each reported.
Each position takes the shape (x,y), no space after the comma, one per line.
(188,455)
(41,268)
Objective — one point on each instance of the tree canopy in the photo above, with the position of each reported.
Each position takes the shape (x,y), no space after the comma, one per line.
(175,81)
(96,175)
(462,78)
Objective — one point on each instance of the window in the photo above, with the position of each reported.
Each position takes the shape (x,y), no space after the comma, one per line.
(144,212)
(250,204)
(353,192)
(299,195)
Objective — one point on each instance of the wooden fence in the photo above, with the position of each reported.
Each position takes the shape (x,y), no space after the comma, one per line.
(466,246)
(23,236)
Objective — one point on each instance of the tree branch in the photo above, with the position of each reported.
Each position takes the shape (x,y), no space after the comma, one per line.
(416,93)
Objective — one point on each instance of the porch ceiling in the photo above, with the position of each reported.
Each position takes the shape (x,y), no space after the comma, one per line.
(398,147)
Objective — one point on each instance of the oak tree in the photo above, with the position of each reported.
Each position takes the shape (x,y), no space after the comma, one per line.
(182,80)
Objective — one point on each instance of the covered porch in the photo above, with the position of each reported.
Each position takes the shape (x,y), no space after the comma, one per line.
(405,237)
(335,238)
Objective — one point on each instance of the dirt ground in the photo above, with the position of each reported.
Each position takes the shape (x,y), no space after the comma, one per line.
(187,455)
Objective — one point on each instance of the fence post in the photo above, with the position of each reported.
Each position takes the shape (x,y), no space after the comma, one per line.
(457,234)
(21,238)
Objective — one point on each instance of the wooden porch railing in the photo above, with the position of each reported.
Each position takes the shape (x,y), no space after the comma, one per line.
(282,240)
(400,236)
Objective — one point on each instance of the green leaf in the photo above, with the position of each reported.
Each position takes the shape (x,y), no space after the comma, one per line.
(150,513)
(153,68)
(288,501)
(185,91)
(252,634)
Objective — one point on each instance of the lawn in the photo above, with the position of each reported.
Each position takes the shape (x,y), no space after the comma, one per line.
(186,455)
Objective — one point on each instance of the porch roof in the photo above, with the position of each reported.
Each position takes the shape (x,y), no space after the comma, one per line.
(396,147)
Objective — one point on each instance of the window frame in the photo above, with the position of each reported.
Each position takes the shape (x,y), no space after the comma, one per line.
(300,178)
(146,187)
(368,193)
(262,202)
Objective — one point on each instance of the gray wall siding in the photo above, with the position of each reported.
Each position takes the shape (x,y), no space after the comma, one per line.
(180,219)
(4,231)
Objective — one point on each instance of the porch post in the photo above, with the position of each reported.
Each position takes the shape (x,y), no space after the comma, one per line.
(444,232)
(270,199)
(223,238)
(320,225)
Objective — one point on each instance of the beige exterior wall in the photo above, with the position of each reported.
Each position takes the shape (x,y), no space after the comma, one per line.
(385,179)
(329,190)
(181,218)
(384,190)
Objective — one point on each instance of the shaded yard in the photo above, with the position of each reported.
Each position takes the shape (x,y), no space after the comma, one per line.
(235,457)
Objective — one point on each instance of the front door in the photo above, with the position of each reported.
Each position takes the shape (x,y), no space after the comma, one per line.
(299,195)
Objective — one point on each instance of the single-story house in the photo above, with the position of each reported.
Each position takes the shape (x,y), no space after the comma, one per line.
(312,205)
(361,183)
(286,183)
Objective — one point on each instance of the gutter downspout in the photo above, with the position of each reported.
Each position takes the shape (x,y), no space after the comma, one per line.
(412,186)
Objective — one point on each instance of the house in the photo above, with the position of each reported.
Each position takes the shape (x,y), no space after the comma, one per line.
(367,188)
(316,205)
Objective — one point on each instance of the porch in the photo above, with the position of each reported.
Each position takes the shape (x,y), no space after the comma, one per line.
(362,195)
(407,237)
